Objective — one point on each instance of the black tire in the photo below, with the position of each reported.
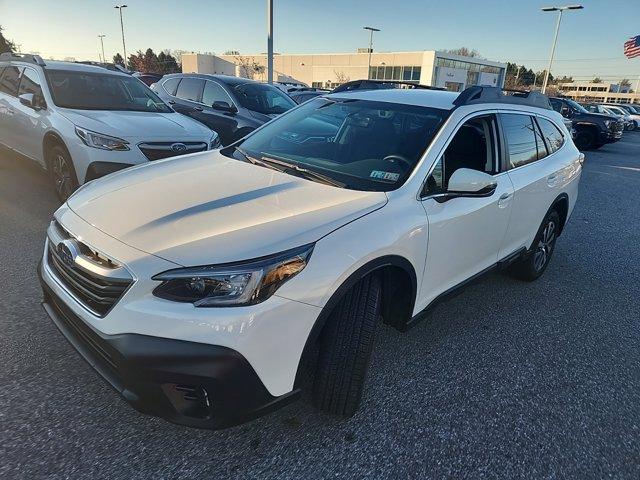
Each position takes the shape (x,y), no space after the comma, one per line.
(585,139)
(62,172)
(535,262)
(345,348)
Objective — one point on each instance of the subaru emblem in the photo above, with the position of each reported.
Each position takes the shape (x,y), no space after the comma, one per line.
(179,147)
(68,250)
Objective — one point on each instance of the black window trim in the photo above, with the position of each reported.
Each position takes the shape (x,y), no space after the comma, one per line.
(507,161)
(500,150)
(564,137)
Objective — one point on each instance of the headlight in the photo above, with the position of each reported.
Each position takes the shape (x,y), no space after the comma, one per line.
(215,142)
(98,140)
(230,285)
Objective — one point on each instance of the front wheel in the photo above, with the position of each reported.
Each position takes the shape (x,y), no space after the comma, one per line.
(62,172)
(584,139)
(535,262)
(345,348)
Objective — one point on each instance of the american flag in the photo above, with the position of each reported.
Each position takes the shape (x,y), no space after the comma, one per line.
(632,47)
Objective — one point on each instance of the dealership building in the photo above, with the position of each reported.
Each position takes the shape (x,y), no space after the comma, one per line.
(591,92)
(328,70)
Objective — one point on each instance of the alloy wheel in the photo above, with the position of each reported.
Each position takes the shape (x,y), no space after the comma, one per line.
(62,176)
(545,245)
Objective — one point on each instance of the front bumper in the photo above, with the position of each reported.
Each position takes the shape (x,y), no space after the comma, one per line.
(188,383)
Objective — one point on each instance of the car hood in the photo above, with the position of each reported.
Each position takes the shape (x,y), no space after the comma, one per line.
(594,116)
(206,208)
(139,125)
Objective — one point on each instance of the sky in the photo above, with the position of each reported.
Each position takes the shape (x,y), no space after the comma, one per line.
(589,44)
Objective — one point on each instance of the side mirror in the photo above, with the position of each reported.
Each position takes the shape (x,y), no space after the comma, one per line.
(223,106)
(466,182)
(28,100)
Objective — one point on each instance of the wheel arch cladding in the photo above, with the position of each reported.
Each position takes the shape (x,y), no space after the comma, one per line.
(561,205)
(48,142)
(399,288)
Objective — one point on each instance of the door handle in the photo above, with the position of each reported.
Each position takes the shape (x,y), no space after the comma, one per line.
(552,179)
(503,201)
(504,196)
(198,109)
(171,102)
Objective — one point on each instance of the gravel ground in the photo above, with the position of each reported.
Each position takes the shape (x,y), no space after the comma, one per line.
(508,380)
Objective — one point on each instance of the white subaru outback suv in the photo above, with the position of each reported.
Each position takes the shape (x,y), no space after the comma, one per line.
(287,248)
(81,122)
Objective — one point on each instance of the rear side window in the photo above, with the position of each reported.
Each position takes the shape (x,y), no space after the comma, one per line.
(552,134)
(10,80)
(171,85)
(520,139)
(214,93)
(190,89)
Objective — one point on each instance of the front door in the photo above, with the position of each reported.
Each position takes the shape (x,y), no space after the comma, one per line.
(465,234)
(28,126)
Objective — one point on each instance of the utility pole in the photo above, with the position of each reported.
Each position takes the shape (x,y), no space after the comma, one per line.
(102,45)
(124,47)
(518,75)
(270,41)
(560,10)
(371,30)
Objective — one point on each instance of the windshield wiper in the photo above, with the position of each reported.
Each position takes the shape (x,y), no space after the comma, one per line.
(304,172)
(256,161)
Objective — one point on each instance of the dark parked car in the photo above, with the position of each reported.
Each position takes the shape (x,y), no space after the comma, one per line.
(231,106)
(148,78)
(593,130)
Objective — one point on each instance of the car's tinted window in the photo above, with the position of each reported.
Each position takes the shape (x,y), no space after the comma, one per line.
(556,104)
(551,134)
(520,139)
(364,144)
(190,89)
(542,148)
(10,80)
(30,83)
(171,85)
(214,93)
(263,98)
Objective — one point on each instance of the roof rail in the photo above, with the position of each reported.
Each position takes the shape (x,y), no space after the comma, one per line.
(379,84)
(109,66)
(35,59)
(477,94)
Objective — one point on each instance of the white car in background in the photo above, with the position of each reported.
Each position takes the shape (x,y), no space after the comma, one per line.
(81,122)
(244,271)
(630,113)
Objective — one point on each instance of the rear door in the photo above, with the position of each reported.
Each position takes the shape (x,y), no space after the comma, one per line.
(220,121)
(188,96)
(536,158)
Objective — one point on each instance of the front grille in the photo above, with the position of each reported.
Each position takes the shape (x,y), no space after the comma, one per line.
(160,150)
(95,281)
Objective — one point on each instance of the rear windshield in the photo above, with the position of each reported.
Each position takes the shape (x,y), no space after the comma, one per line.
(362,144)
(263,98)
(102,91)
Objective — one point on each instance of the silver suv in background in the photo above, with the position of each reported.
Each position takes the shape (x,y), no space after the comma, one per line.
(81,122)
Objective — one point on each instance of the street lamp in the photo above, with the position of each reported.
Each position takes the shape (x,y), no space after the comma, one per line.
(371,30)
(124,47)
(555,38)
(101,37)
(270,42)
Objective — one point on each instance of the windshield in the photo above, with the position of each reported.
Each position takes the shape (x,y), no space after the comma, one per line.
(361,144)
(102,91)
(576,106)
(263,98)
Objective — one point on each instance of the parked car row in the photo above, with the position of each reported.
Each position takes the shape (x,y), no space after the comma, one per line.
(592,129)
(629,114)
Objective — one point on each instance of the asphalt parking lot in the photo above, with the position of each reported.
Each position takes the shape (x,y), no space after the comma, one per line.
(508,380)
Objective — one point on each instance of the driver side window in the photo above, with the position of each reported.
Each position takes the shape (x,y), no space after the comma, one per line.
(474,146)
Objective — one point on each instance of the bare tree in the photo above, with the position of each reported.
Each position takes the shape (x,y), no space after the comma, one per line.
(465,52)
(341,77)
(249,68)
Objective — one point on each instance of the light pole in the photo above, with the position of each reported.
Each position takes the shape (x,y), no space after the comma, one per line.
(101,37)
(270,41)
(124,47)
(555,37)
(371,30)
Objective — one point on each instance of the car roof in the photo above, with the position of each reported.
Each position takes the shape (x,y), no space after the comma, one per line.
(67,66)
(227,79)
(419,97)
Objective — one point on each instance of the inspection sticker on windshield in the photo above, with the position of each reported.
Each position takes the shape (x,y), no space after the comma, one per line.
(384,175)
